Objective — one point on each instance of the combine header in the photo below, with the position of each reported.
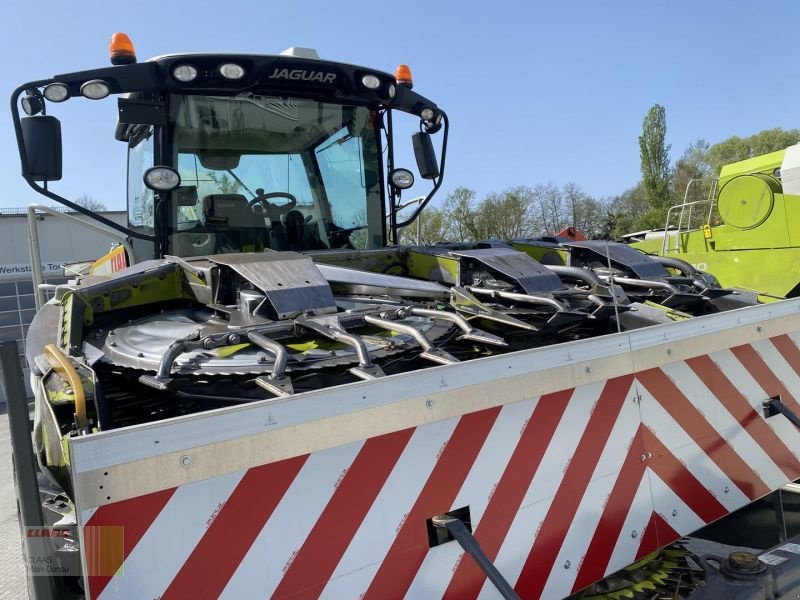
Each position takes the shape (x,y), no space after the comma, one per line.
(275,400)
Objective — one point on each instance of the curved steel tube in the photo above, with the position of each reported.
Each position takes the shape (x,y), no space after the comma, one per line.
(459,321)
(647,283)
(173,352)
(340,335)
(418,336)
(597,300)
(355,342)
(277,350)
(519,297)
(470,332)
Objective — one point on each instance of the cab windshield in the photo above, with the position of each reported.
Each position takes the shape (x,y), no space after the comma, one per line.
(262,172)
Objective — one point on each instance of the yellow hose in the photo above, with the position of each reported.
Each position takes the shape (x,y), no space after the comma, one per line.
(63,367)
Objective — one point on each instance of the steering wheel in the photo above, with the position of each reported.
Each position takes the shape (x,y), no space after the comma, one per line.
(273,211)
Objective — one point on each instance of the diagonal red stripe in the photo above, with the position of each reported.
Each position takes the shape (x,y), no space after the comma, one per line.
(595,562)
(409,548)
(701,431)
(510,492)
(747,416)
(758,369)
(788,349)
(326,543)
(547,544)
(223,546)
(135,516)
(680,480)
(657,534)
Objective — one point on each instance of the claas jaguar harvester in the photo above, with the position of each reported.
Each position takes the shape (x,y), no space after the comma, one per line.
(747,231)
(260,393)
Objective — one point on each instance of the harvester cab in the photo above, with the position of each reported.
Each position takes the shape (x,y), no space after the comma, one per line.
(237,153)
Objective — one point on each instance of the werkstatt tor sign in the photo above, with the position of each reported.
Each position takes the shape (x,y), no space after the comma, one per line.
(22,269)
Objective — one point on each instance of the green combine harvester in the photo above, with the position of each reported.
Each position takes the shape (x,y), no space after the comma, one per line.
(747,232)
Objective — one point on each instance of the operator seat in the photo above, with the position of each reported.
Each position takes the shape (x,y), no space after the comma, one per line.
(237,227)
(300,234)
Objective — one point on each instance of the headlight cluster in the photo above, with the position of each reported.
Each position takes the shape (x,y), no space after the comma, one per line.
(95,89)
(373,82)
(186,73)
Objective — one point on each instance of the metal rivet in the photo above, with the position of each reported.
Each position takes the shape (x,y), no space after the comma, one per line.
(674,512)
(643,457)
(634,533)
(429,403)
(567,565)
(726,490)
(758,329)
(588,369)
(669,351)
(186,461)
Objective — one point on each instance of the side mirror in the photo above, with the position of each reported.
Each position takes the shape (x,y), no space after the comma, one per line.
(427,164)
(41,137)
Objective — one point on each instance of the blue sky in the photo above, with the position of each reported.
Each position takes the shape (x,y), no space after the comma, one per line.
(536,91)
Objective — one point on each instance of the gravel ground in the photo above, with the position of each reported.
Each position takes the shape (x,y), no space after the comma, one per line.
(12,572)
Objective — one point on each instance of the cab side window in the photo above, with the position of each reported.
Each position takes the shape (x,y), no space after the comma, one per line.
(141,200)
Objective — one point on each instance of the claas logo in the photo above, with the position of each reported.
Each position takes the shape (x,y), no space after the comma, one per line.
(47,532)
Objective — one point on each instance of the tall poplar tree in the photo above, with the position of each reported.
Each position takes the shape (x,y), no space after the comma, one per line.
(655,160)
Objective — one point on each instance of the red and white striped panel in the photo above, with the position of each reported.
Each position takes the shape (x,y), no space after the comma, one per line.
(563,489)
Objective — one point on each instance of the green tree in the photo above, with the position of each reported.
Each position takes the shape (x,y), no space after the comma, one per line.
(692,165)
(504,216)
(433,228)
(225,183)
(736,148)
(625,213)
(654,152)
(460,214)
(587,214)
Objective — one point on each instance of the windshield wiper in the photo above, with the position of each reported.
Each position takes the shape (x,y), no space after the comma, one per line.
(240,182)
(340,141)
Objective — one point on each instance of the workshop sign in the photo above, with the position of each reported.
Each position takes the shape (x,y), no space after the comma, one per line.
(16,271)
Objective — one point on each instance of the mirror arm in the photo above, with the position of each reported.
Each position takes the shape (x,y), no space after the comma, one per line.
(43,190)
(438,181)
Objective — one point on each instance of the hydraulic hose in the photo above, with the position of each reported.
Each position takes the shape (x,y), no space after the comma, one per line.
(63,367)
